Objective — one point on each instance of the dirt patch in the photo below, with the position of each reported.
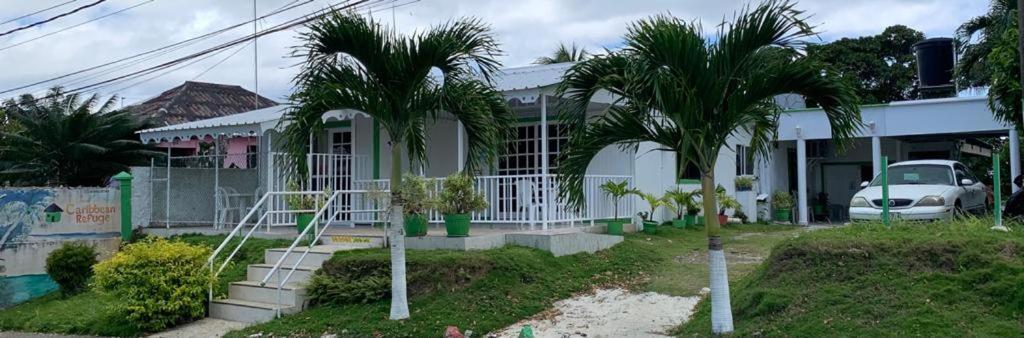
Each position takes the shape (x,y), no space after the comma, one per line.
(731,256)
(608,313)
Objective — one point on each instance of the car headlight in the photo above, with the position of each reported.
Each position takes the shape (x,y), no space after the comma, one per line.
(859,202)
(931,201)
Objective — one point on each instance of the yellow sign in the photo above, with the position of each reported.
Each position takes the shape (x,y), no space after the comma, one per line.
(349,239)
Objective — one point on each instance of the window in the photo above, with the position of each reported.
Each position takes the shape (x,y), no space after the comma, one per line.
(744,161)
(689,173)
(523,154)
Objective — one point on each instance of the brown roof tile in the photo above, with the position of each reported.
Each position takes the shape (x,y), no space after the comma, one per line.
(193,101)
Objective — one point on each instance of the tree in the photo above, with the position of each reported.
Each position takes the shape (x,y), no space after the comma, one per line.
(1003,65)
(882,67)
(975,40)
(63,140)
(564,54)
(354,63)
(687,93)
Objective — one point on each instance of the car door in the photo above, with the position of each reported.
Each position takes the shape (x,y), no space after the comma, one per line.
(974,194)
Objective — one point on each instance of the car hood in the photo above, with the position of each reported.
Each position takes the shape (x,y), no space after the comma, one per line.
(910,191)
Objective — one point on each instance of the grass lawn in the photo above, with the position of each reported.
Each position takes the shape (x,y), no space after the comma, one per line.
(93,313)
(523,282)
(930,279)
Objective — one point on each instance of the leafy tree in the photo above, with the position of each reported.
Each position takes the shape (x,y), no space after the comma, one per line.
(1003,63)
(881,67)
(617,190)
(354,63)
(976,39)
(63,140)
(564,54)
(687,93)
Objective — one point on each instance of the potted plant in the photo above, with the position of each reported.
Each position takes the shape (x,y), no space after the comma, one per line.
(616,191)
(303,206)
(725,202)
(782,204)
(821,204)
(457,201)
(685,206)
(744,183)
(415,203)
(655,202)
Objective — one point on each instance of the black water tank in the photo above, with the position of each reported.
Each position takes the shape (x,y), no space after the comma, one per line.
(935,62)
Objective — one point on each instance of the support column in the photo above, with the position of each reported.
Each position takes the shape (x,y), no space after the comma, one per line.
(545,193)
(167,191)
(124,185)
(876,155)
(216,180)
(460,148)
(1014,157)
(801,179)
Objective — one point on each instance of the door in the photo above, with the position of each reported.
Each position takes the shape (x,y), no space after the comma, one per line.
(341,166)
(841,182)
(974,193)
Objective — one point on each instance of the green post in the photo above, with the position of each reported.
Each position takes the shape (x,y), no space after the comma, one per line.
(885,190)
(124,183)
(995,189)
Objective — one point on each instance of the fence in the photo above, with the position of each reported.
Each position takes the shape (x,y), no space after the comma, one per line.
(201,190)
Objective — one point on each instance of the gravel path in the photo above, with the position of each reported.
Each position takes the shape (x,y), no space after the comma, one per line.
(206,327)
(609,313)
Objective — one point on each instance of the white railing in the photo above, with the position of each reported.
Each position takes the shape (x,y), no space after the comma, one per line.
(519,199)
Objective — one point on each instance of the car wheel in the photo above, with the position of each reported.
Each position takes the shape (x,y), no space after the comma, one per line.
(958,210)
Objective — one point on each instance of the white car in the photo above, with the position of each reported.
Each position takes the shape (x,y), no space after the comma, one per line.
(921,190)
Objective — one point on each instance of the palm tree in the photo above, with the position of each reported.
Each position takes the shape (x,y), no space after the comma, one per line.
(688,93)
(63,140)
(354,63)
(976,39)
(564,54)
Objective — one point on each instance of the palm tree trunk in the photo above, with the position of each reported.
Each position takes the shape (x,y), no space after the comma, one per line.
(721,310)
(399,301)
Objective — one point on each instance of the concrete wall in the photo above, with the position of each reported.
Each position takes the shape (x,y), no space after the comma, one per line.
(89,215)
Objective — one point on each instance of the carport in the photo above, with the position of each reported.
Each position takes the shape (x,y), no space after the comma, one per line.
(936,128)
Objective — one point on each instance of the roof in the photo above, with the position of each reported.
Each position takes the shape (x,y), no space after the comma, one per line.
(193,101)
(530,77)
(920,162)
(53,208)
(250,123)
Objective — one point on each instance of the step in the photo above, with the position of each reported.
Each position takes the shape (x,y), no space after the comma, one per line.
(291,294)
(317,255)
(246,311)
(303,273)
(374,241)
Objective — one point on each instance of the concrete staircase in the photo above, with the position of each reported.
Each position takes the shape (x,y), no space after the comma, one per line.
(250,302)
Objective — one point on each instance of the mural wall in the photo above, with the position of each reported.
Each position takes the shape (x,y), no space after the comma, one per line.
(36,221)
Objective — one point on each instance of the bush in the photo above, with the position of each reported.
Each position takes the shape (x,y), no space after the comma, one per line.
(160,283)
(782,200)
(458,196)
(71,266)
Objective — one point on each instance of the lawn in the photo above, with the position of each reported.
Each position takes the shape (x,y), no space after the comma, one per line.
(522,282)
(93,313)
(930,279)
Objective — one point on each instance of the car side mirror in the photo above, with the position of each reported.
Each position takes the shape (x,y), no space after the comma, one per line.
(966,181)
(864,184)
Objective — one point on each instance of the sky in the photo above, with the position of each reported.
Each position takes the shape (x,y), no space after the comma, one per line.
(526,30)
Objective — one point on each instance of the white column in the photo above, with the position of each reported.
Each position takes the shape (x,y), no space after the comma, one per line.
(461,153)
(876,155)
(801,179)
(1014,157)
(544,160)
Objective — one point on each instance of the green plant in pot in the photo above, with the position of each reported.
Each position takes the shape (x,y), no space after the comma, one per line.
(744,183)
(686,207)
(782,204)
(654,202)
(303,206)
(457,201)
(725,202)
(616,191)
(415,201)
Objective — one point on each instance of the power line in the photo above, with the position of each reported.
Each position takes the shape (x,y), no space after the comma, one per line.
(53,18)
(75,26)
(36,12)
(153,51)
(218,63)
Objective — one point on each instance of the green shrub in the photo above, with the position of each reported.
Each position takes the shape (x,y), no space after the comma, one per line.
(366,277)
(160,283)
(458,196)
(782,200)
(71,266)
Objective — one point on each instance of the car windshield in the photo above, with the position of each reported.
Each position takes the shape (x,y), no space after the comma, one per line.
(917,174)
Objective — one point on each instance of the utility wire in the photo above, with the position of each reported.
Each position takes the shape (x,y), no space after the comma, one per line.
(153,51)
(53,18)
(75,26)
(36,12)
(218,63)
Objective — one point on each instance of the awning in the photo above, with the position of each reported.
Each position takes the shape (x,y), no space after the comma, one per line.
(251,123)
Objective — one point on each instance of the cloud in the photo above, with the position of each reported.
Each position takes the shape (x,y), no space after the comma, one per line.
(526,28)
